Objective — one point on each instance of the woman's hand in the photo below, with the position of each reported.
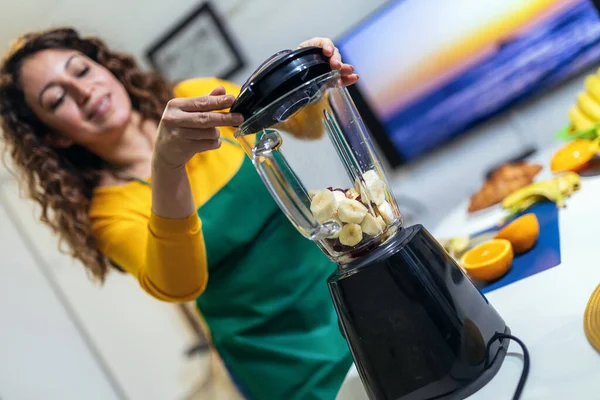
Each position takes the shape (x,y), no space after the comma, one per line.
(335,59)
(190,125)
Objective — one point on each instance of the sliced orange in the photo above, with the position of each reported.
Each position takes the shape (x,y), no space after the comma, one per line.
(522,233)
(489,260)
(573,156)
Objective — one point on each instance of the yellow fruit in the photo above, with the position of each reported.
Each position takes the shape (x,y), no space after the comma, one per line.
(588,106)
(555,189)
(489,260)
(573,156)
(579,120)
(569,182)
(522,233)
(592,86)
(547,189)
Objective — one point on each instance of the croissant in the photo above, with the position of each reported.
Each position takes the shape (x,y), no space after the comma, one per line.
(503,181)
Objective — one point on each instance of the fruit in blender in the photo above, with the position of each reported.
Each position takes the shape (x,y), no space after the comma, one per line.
(323,205)
(376,190)
(351,235)
(370,225)
(339,197)
(386,212)
(352,211)
(358,215)
(352,194)
(370,175)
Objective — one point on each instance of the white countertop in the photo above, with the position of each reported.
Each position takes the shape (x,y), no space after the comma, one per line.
(544,310)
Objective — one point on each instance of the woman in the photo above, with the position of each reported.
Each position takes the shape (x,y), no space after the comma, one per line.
(129,172)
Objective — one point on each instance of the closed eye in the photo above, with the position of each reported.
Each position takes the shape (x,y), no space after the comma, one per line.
(57,102)
(83,72)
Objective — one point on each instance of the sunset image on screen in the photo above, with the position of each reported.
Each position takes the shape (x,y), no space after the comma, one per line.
(430,69)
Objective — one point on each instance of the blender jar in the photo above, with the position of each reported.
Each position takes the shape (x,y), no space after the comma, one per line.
(310,147)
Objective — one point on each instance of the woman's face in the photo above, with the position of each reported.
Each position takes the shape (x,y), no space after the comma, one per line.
(81,101)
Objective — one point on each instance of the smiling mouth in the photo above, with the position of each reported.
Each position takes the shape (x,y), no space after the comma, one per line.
(101,107)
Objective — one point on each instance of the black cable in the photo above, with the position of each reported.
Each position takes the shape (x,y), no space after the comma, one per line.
(525,373)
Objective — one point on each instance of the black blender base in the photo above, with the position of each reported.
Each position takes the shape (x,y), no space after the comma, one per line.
(486,376)
(417,327)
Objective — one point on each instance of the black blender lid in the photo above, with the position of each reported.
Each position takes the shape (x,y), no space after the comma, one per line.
(280,74)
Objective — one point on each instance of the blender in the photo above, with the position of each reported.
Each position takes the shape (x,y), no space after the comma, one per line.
(415,324)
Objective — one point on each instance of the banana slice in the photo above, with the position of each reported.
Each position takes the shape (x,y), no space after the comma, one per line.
(381,222)
(377,191)
(352,211)
(371,175)
(386,211)
(323,205)
(351,235)
(370,226)
(339,197)
(352,194)
(312,193)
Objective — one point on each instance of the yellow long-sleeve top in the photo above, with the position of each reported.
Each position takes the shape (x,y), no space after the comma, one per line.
(167,256)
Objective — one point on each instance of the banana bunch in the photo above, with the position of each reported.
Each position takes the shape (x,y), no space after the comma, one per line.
(555,190)
(586,112)
(361,211)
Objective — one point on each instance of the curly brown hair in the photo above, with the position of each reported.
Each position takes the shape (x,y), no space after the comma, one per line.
(60,180)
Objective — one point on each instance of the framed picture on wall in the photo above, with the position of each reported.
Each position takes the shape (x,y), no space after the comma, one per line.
(197,46)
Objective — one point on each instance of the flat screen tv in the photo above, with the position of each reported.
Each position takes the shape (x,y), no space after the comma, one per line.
(432,69)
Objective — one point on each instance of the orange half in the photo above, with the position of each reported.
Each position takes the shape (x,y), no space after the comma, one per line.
(573,156)
(522,233)
(489,260)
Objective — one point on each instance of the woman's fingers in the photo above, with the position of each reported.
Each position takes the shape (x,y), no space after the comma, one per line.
(202,120)
(218,91)
(205,145)
(336,60)
(198,134)
(203,103)
(346,69)
(325,43)
(349,79)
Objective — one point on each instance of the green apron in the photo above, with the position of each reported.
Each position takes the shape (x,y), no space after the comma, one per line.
(267,303)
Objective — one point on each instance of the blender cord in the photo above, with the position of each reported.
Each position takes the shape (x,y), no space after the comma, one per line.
(525,373)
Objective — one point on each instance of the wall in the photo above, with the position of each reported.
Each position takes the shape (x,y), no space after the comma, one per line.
(39,338)
(261,27)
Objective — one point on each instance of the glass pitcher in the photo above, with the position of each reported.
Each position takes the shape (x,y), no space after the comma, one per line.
(311,149)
